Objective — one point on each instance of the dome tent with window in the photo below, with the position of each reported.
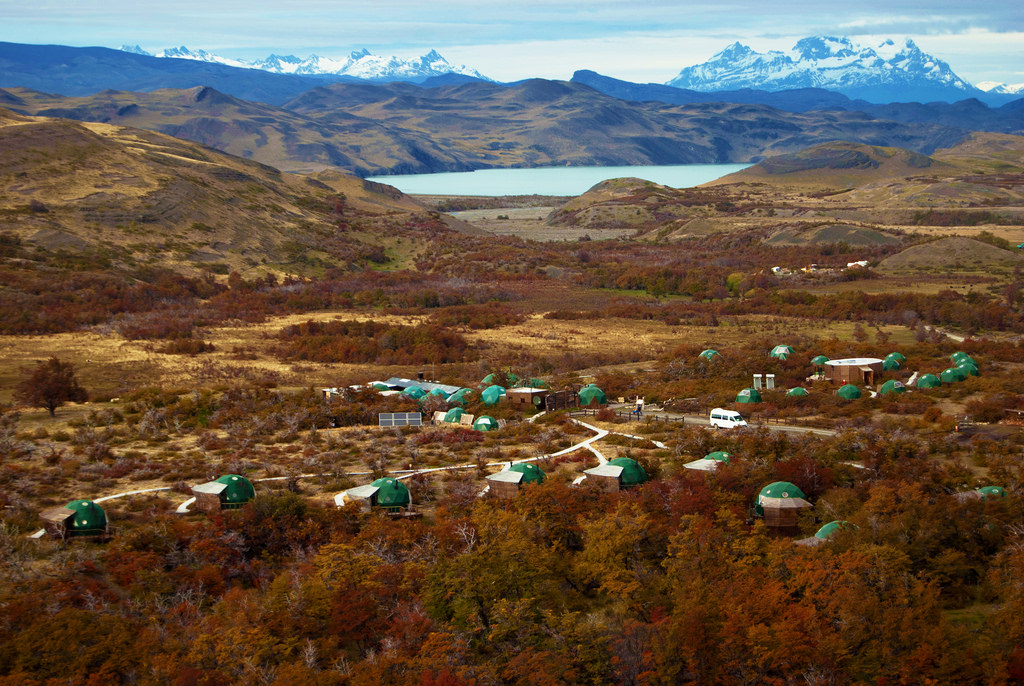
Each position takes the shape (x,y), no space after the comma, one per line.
(780,504)
(616,475)
(928,381)
(781,352)
(709,462)
(709,354)
(386,493)
(849,392)
(890,364)
(77,519)
(819,360)
(899,357)
(969,368)
(485,423)
(953,375)
(506,483)
(799,391)
(960,356)
(227,492)
(748,395)
(391,493)
(892,386)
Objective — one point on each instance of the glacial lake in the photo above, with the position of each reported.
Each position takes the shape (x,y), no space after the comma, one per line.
(551,180)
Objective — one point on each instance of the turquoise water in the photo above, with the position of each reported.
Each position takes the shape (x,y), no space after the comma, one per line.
(551,180)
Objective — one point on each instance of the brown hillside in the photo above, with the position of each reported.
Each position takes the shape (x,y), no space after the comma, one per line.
(832,233)
(953,253)
(839,165)
(135,198)
(986,153)
(401,128)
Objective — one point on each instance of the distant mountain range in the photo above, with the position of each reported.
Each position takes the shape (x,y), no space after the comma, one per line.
(454,122)
(360,64)
(888,72)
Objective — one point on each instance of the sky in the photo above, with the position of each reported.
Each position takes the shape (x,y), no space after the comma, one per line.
(642,40)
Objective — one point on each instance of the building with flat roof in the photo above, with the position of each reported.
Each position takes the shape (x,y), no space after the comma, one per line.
(859,371)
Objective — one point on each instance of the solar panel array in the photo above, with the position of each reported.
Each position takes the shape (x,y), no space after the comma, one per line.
(400,419)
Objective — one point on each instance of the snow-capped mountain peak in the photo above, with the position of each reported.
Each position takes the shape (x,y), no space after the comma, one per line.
(1003,88)
(184,53)
(832,62)
(822,47)
(359,63)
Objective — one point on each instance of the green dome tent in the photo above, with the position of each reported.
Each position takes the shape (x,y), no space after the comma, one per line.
(969,368)
(239,491)
(819,360)
(959,356)
(928,381)
(592,395)
(460,397)
(710,462)
(890,364)
(485,423)
(89,519)
(488,380)
(378,386)
(632,473)
(453,415)
(952,375)
(414,392)
(532,474)
(439,393)
(992,492)
(748,395)
(892,386)
(492,395)
(781,352)
(899,357)
(709,354)
(391,493)
(832,527)
(779,493)
(849,392)
(798,391)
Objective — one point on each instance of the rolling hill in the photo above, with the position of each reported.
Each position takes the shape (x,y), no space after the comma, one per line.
(132,198)
(834,192)
(953,253)
(840,165)
(403,128)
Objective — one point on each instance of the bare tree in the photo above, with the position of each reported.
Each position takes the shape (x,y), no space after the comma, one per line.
(51,384)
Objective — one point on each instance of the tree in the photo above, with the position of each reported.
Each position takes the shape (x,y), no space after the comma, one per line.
(51,384)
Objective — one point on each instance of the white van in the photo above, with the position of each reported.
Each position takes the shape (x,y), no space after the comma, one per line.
(726,419)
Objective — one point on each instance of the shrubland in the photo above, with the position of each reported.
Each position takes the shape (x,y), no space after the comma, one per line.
(674,581)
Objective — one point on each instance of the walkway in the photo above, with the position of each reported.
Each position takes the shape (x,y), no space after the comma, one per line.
(587,444)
